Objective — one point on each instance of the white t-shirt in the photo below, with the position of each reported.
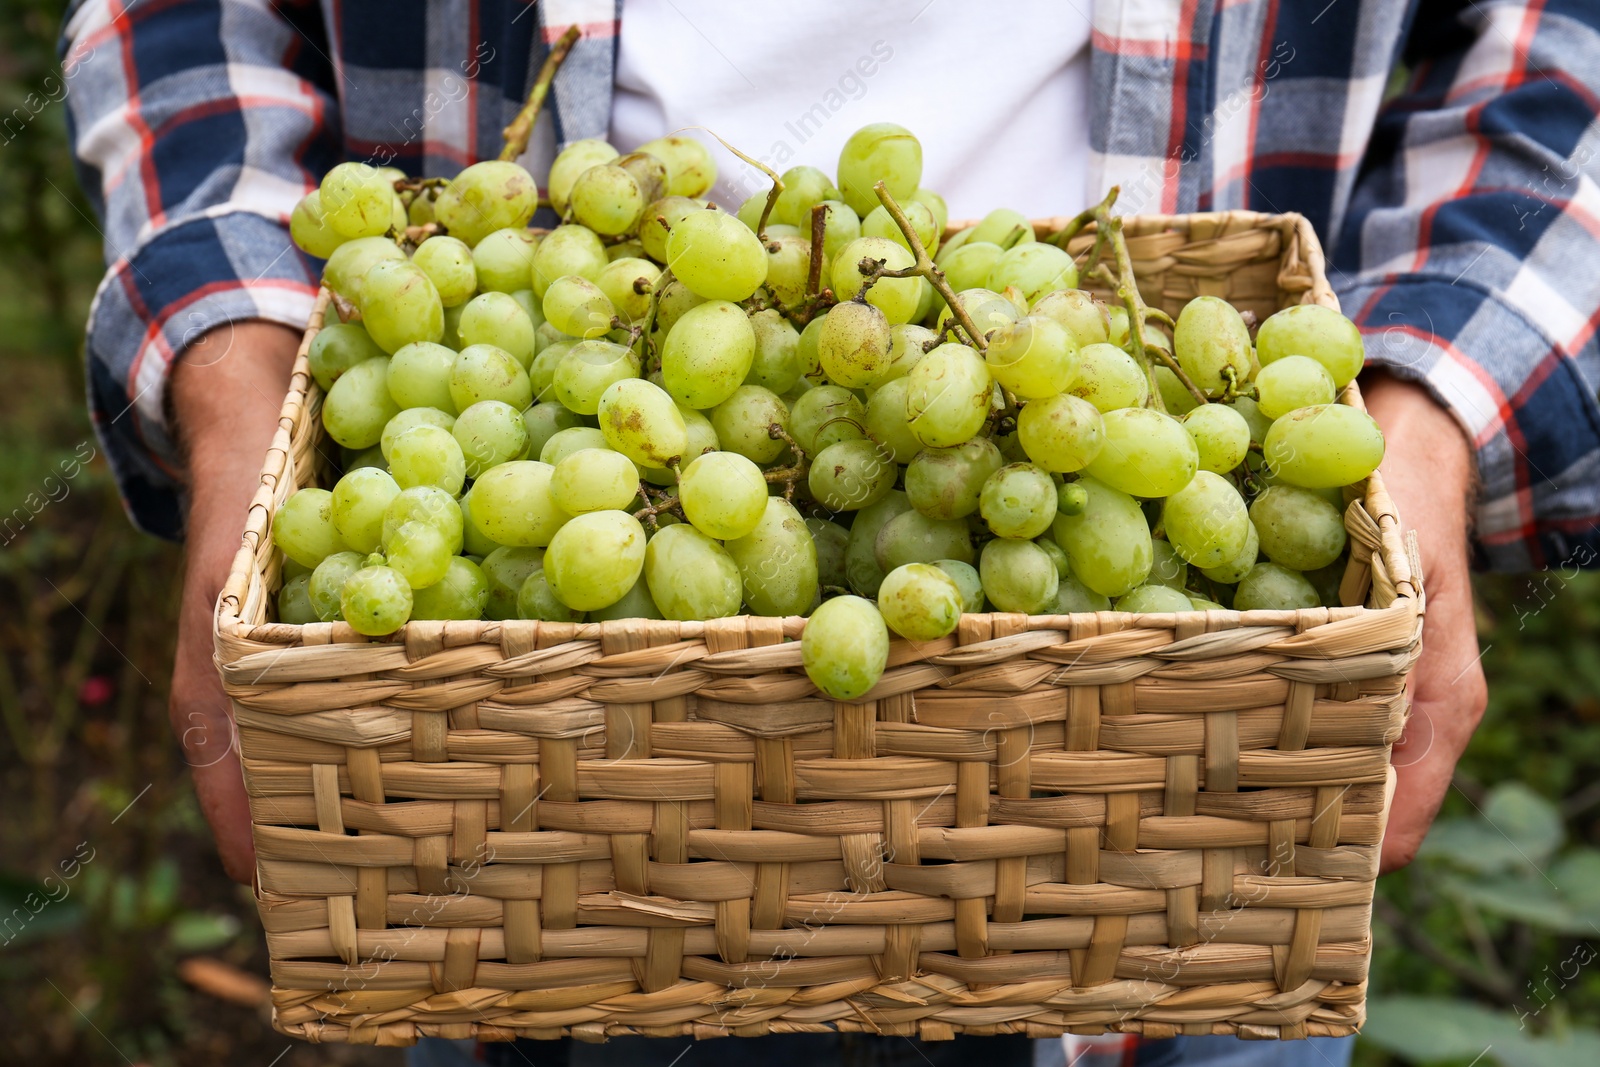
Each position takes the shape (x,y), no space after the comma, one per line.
(997,91)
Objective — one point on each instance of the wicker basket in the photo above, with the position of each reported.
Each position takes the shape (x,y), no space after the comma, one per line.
(1166,824)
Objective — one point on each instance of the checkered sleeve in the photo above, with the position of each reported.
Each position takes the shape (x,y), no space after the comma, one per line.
(1471,259)
(195,125)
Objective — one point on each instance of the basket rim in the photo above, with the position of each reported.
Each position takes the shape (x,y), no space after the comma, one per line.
(1397,547)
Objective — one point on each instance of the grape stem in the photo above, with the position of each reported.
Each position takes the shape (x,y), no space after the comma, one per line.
(819,232)
(663,502)
(924,267)
(1076,224)
(521,128)
(791,474)
(650,315)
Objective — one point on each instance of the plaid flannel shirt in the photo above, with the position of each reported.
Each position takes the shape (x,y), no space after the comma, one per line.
(1459,207)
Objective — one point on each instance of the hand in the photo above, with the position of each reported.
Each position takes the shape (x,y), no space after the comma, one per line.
(226,390)
(1428,468)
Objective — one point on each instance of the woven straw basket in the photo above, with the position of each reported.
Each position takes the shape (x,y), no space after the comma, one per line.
(1162,824)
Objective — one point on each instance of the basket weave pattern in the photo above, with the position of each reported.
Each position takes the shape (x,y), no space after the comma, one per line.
(1154,823)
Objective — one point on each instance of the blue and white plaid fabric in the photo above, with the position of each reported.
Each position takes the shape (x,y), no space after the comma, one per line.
(1445,149)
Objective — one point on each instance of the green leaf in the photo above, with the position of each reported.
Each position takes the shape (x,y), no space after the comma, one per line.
(195,931)
(1579,1048)
(31,911)
(1430,1029)
(1577,875)
(1470,843)
(1525,897)
(1527,818)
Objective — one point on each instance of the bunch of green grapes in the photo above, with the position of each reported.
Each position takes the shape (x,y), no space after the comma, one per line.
(661,409)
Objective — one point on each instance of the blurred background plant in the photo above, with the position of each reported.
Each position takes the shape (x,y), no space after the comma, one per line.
(122,943)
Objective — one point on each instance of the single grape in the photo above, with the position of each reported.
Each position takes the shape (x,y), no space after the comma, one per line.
(743,420)
(338,347)
(968,584)
(897,298)
(399,305)
(1238,565)
(803,189)
(294,599)
(1321,447)
(1109,542)
(310,231)
(831,541)
(1081,315)
(627,283)
(1035,269)
(1167,567)
(908,343)
(1293,382)
(427,455)
(537,600)
(419,376)
(1018,500)
(841,225)
(1154,598)
(775,365)
(1109,378)
(1071,498)
(425,503)
(1033,357)
(486,372)
(578,307)
(1251,411)
(410,418)
(968,265)
(879,223)
(474,543)
(1145,454)
(375,601)
(1061,433)
(461,594)
(640,421)
(1221,436)
(449,264)
(571,162)
(912,537)
(886,421)
(708,354)
(505,570)
(674,302)
(648,171)
(565,442)
(824,416)
(1270,587)
(567,250)
(1298,528)
(588,370)
(1211,340)
(544,421)
(788,266)
(849,475)
(512,505)
(356,200)
(690,576)
(1318,332)
(862,572)
(607,199)
(1018,576)
(358,406)
(653,232)
(327,584)
(489,433)
(419,552)
(716,256)
(879,152)
(1072,596)
(690,169)
(777,562)
(1004,227)
(1057,554)
(948,396)
(853,344)
(503,260)
(920,602)
(636,603)
(359,501)
(701,437)
(594,479)
(1206,520)
(349,263)
(595,558)
(723,494)
(488,196)
(988,311)
(946,483)
(845,647)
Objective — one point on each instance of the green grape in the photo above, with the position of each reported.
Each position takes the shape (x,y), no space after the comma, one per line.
(1035,269)
(1210,340)
(544,421)
(1154,598)
(571,162)
(356,200)
(1321,447)
(622,281)
(743,420)
(690,168)
(831,541)
(946,483)
(803,189)
(948,396)
(427,455)
(824,416)
(595,558)
(588,370)
(988,311)
(1292,382)
(879,223)
(1004,227)
(1271,587)
(1200,603)
(648,171)
(474,543)
(419,552)
(1075,311)
(1057,554)
(674,302)
(460,594)
(723,494)
(1145,453)
(849,475)
(594,479)
(1221,436)
(640,421)
(1318,332)
(502,260)
(452,320)
(1061,433)
(841,226)
(607,199)
(690,576)
(577,307)
(1033,357)
(1326,581)
(375,601)
(845,647)
(879,152)
(862,572)
(1072,596)
(1109,543)
(1298,528)
(653,233)
(886,421)
(1251,411)
(776,364)
(1167,567)
(505,570)
(716,256)
(327,584)
(542,371)
(906,349)
(565,250)
(421,212)
(537,600)
(487,372)
(367,457)
(1174,396)
(418,376)
(1018,500)
(359,501)
(936,206)
(1071,499)
(294,599)
(543,334)
(912,537)
(398,219)
(410,418)
(969,585)
(920,602)
(358,406)
(897,298)
(1236,567)
(425,503)
(348,265)
(1109,378)
(1018,576)
(489,433)
(448,263)
(310,231)
(853,344)
(777,562)
(1206,520)
(399,305)
(565,442)
(806,353)
(512,505)
(338,347)
(702,438)
(708,354)
(636,603)
(488,196)
(788,266)
(968,266)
